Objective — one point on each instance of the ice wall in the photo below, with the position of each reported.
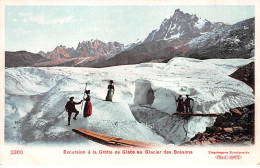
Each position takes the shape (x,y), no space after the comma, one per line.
(144,93)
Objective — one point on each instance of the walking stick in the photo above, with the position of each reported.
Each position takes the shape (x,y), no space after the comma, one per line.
(176,104)
(84,95)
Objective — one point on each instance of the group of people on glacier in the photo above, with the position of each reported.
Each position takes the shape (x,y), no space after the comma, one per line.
(186,103)
(70,105)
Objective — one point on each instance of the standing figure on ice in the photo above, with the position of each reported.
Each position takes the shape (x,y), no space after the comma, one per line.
(88,106)
(188,104)
(180,107)
(70,108)
(111,91)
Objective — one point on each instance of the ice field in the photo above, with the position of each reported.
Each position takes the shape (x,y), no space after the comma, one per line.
(35,100)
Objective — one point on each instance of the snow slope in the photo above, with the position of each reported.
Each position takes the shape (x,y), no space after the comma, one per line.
(35,99)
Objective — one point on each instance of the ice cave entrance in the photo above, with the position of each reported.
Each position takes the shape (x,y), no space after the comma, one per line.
(143,92)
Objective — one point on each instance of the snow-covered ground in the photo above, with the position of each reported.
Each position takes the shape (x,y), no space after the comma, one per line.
(35,99)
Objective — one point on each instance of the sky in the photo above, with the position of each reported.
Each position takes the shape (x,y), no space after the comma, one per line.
(42,28)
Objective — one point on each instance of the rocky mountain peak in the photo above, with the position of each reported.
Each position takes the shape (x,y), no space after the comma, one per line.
(183,25)
(177,11)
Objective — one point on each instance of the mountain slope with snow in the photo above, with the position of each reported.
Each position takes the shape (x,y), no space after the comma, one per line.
(235,41)
(35,99)
(183,25)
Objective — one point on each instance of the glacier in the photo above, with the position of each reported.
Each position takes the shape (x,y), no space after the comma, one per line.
(142,105)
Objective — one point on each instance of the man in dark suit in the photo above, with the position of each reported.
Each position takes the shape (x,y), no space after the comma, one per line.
(188,104)
(70,108)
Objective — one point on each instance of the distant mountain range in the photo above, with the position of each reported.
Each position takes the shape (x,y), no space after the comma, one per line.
(234,41)
(181,35)
(93,48)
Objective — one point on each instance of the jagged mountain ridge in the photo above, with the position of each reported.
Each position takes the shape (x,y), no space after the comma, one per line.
(85,51)
(145,52)
(182,35)
(163,43)
(93,48)
(235,41)
(179,25)
(183,25)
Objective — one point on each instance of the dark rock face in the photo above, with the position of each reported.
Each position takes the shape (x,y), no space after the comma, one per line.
(183,25)
(246,74)
(234,127)
(22,58)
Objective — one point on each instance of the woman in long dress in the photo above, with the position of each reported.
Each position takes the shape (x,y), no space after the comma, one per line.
(88,106)
(111,91)
(180,107)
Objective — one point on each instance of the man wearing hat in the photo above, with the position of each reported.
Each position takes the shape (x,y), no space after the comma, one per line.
(70,108)
(188,104)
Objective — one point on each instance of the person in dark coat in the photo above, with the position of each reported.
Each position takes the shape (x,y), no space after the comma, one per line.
(188,104)
(111,91)
(180,107)
(88,106)
(70,108)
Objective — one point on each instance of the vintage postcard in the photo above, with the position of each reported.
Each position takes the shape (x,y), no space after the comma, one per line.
(129,82)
